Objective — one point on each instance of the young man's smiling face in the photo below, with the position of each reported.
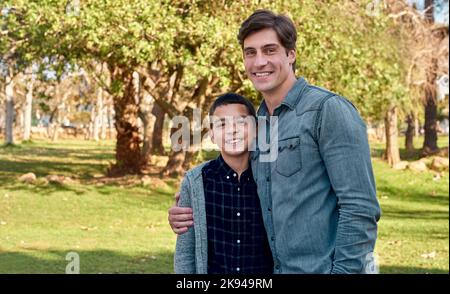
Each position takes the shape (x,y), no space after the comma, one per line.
(233,129)
(266,61)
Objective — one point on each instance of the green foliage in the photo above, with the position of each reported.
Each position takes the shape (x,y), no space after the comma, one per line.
(356,54)
(340,46)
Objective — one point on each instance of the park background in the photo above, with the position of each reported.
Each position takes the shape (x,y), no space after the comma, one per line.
(88,89)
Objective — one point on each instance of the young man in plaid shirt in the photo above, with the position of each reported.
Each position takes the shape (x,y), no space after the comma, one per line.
(228,236)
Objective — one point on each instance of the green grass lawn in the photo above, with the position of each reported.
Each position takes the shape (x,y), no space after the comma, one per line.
(121,226)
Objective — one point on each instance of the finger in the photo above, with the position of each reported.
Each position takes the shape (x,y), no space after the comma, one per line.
(174,210)
(180,231)
(183,224)
(180,217)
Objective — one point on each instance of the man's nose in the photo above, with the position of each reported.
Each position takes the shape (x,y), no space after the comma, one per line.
(260,60)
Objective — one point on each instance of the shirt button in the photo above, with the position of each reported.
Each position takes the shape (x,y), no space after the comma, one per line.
(239,189)
(268,179)
(228,177)
(238,269)
(272,238)
(234,175)
(269,209)
(277,266)
(238,241)
(238,214)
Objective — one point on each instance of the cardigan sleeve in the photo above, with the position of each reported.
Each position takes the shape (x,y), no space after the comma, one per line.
(184,260)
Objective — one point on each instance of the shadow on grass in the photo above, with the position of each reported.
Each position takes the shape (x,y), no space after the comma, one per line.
(410,270)
(413,195)
(415,214)
(107,261)
(75,161)
(378,152)
(43,168)
(91,262)
(44,189)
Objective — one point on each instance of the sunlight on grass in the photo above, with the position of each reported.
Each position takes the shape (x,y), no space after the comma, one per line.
(122,228)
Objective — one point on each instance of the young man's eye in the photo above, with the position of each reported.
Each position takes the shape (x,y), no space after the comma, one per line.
(249,53)
(218,124)
(241,121)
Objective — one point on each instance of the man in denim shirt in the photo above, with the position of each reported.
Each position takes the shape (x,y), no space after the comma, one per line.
(317,189)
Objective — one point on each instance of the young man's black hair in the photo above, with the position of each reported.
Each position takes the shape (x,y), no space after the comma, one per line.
(233,98)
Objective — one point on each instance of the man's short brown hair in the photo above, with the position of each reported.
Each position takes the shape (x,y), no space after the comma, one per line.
(266,19)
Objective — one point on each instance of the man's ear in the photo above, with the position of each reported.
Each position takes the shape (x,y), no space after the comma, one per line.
(211,135)
(292,54)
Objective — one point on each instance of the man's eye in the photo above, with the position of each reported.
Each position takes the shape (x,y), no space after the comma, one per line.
(271,50)
(249,53)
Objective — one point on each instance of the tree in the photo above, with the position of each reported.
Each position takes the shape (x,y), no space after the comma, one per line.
(9,115)
(430,141)
(426,54)
(352,48)
(409,134)
(186,54)
(121,35)
(21,32)
(157,137)
(28,104)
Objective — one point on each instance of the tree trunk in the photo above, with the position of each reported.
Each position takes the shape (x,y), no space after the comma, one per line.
(157,137)
(409,135)
(174,166)
(147,134)
(128,152)
(416,127)
(429,10)
(9,113)
(111,115)
(392,154)
(103,125)
(2,121)
(55,118)
(189,159)
(28,106)
(98,114)
(180,160)
(430,141)
(91,128)
(55,134)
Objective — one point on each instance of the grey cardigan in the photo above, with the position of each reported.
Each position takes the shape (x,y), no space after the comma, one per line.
(191,251)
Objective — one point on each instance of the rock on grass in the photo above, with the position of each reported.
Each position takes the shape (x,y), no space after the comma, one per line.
(29,178)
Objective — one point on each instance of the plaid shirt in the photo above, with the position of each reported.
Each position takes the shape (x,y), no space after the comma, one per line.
(237,240)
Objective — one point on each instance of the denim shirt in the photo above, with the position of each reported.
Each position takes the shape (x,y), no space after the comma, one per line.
(318,196)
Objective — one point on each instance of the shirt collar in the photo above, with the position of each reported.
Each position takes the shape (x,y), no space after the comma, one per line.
(291,100)
(221,168)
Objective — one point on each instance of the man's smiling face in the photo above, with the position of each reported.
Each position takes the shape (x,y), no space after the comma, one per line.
(266,61)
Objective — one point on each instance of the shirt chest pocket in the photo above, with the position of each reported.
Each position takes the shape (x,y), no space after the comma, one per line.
(289,159)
